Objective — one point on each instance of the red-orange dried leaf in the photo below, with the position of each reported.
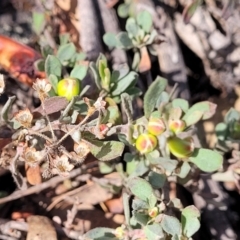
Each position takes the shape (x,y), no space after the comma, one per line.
(33,174)
(18,60)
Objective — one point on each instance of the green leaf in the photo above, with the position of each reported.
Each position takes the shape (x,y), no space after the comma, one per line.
(6,108)
(124,41)
(139,169)
(141,218)
(150,40)
(127,106)
(39,65)
(105,167)
(171,225)
(136,61)
(221,131)
(53,66)
(207,160)
(64,38)
(154,231)
(190,220)
(184,170)
(79,72)
(152,95)
(123,10)
(190,9)
(157,180)
(106,150)
(96,76)
(132,27)
(46,50)
(110,39)
(165,163)
(66,52)
(144,20)
(232,115)
(182,103)
(126,207)
(193,115)
(139,204)
(54,81)
(124,83)
(38,22)
(142,189)
(100,233)
(80,56)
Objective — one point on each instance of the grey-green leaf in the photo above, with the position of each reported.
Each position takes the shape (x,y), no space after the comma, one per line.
(100,233)
(157,180)
(207,160)
(124,83)
(142,189)
(79,72)
(54,81)
(154,232)
(106,150)
(171,225)
(190,220)
(123,10)
(193,115)
(66,52)
(152,95)
(182,103)
(144,20)
(38,22)
(124,41)
(110,39)
(53,66)
(132,27)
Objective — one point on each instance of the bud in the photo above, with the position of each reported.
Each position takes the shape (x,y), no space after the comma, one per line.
(153,212)
(156,126)
(146,143)
(235,130)
(119,233)
(180,148)
(177,126)
(68,87)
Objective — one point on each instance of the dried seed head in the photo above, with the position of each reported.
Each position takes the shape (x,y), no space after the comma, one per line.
(81,149)
(62,166)
(42,87)
(24,117)
(32,157)
(2,84)
(99,104)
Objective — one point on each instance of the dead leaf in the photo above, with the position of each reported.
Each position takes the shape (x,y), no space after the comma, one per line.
(40,228)
(145,62)
(53,105)
(33,174)
(18,60)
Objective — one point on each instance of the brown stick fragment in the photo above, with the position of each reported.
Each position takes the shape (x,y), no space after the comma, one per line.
(38,188)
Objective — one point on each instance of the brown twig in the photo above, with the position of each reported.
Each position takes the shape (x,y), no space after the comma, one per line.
(38,188)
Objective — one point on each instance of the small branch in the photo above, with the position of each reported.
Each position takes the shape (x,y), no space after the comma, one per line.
(38,188)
